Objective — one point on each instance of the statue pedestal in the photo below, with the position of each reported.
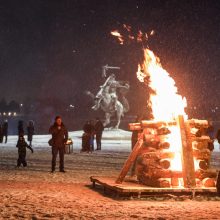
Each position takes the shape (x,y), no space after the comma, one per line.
(116,134)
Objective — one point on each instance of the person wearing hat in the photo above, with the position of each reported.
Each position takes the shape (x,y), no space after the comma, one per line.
(22,145)
(59,138)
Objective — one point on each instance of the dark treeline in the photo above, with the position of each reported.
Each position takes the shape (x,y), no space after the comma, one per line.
(11,106)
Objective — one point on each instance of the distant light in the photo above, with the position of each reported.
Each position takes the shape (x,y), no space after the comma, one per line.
(194,107)
(216,107)
(21,104)
(14,113)
(4,113)
(71,106)
(9,114)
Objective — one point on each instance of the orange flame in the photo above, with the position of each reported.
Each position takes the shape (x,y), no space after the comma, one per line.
(118,35)
(166,104)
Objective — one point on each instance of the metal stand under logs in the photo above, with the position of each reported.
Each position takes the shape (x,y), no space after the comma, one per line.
(187,154)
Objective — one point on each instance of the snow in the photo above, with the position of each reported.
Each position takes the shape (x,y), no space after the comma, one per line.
(35,193)
(112,140)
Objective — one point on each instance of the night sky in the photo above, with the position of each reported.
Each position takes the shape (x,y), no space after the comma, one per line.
(55,49)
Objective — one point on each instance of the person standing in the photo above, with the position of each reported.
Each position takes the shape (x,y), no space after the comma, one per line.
(30,131)
(5,130)
(22,145)
(20,128)
(1,133)
(59,138)
(89,130)
(98,133)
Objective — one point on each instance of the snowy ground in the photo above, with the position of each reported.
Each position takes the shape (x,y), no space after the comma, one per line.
(35,193)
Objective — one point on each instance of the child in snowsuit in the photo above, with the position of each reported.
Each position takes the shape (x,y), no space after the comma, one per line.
(22,145)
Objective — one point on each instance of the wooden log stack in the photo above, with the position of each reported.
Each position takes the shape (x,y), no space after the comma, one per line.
(154,158)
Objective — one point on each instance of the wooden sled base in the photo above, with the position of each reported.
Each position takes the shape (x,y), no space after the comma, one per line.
(131,188)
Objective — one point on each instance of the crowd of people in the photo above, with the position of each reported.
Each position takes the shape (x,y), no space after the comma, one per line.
(92,131)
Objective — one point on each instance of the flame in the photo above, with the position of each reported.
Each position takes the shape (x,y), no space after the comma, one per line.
(118,35)
(127,27)
(152,32)
(174,139)
(166,104)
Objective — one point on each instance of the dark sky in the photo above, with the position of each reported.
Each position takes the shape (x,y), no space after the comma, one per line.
(56,48)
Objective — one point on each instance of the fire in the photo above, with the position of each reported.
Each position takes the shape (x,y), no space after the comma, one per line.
(166,104)
(169,107)
(118,35)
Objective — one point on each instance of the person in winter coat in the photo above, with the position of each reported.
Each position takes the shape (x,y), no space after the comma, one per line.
(98,133)
(59,138)
(1,133)
(5,130)
(30,131)
(20,128)
(88,136)
(22,145)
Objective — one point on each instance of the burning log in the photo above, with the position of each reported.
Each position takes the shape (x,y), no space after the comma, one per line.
(209,182)
(152,163)
(159,155)
(157,173)
(202,139)
(203,164)
(156,156)
(130,160)
(164,163)
(134,126)
(151,140)
(211,145)
(202,155)
(202,174)
(161,182)
(187,156)
(163,131)
(164,145)
(200,145)
(175,182)
(198,123)
(196,132)
(156,124)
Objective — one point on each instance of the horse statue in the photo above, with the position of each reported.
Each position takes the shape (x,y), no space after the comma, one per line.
(107,99)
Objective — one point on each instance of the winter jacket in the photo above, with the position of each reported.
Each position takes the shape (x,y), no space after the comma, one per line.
(5,128)
(30,132)
(99,127)
(22,145)
(59,136)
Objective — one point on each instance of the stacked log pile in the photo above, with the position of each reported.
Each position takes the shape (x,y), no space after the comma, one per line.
(154,158)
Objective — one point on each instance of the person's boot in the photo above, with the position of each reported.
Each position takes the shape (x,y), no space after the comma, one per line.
(62,171)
